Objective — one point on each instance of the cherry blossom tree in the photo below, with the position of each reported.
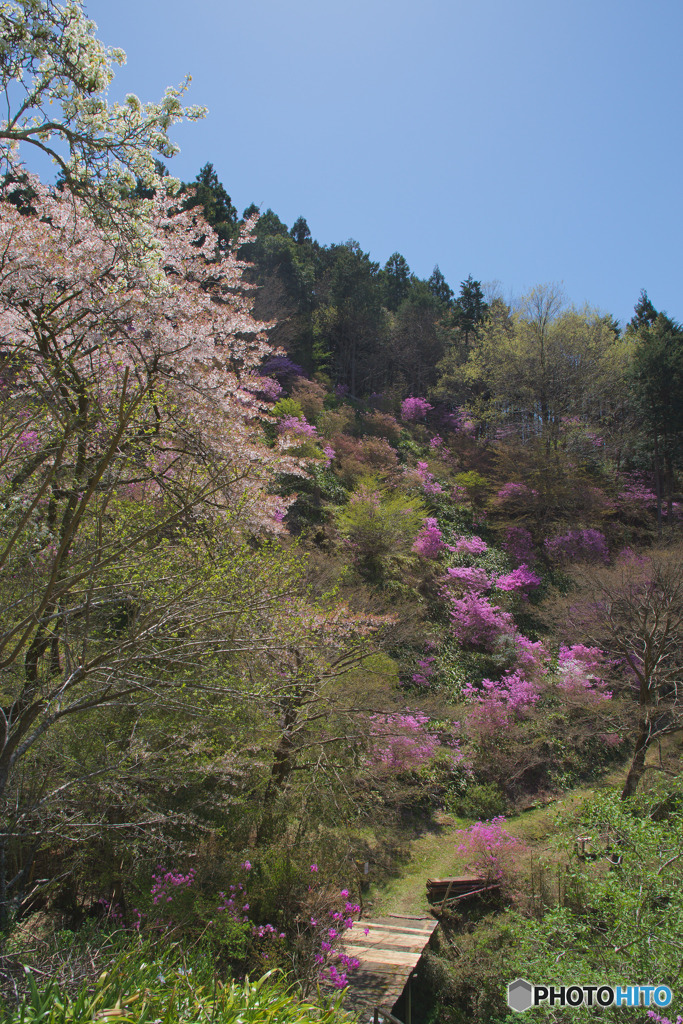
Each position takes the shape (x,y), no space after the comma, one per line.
(132,469)
(55,74)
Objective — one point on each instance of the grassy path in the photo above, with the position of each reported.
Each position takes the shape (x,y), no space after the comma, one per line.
(435,854)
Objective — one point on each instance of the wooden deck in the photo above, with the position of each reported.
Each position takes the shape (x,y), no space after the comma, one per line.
(388,955)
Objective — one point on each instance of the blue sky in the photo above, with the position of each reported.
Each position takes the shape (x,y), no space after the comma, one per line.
(519,140)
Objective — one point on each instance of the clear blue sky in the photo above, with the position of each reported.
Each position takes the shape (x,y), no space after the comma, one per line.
(523,140)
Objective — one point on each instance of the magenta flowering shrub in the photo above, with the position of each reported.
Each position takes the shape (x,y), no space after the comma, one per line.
(426,667)
(429,542)
(470,577)
(514,690)
(268,388)
(427,480)
(325,915)
(166,884)
(413,409)
(496,703)
(636,492)
(478,623)
(172,902)
(580,669)
(519,581)
(297,427)
(578,546)
(490,850)
(461,422)
(531,656)
(401,742)
(470,545)
(519,545)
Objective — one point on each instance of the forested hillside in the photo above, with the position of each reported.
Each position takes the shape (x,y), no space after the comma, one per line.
(298,553)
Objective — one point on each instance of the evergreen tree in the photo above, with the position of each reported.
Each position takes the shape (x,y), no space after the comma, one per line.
(469,309)
(657,391)
(644,313)
(210,194)
(300,231)
(395,278)
(440,288)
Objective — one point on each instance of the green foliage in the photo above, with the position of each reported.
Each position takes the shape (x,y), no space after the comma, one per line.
(379,526)
(474,482)
(210,194)
(144,986)
(623,912)
(481,802)
(287,407)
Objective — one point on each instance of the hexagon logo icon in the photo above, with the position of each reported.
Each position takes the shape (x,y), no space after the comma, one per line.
(520,995)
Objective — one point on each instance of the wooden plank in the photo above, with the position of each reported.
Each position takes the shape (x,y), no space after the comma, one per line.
(387,956)
(385,938)
(373,947)
(460,878)
(395,930)
(383,956)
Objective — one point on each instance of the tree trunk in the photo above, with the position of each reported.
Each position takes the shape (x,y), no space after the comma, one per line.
(669,488)
(637,767)
(658,486)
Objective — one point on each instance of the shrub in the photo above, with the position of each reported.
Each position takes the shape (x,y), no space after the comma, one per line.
(413,409)
(483,801)
(382,425)
(310,395)
(378,526)
(519,545)
(144,986)
(357,457)
(287,408)
(578,546)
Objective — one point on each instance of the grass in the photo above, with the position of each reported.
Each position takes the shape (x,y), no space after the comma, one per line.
(435,855)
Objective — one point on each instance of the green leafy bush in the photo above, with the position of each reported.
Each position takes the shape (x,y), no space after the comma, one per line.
(142,988)
(378,526)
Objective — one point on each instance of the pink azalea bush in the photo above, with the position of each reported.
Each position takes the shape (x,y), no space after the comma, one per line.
(470,545)
(461,422)
(401,741)
(519,581)
(579,668)
(578,546)
(426,666)
(519,545)
(490,849)
(429,542)
(413,409)
(471,577)
(297,427)
(496,703)
(269,388)
(512,491)
(478,623)
(429,484)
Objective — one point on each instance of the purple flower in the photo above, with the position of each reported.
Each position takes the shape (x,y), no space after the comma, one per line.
(413,409)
